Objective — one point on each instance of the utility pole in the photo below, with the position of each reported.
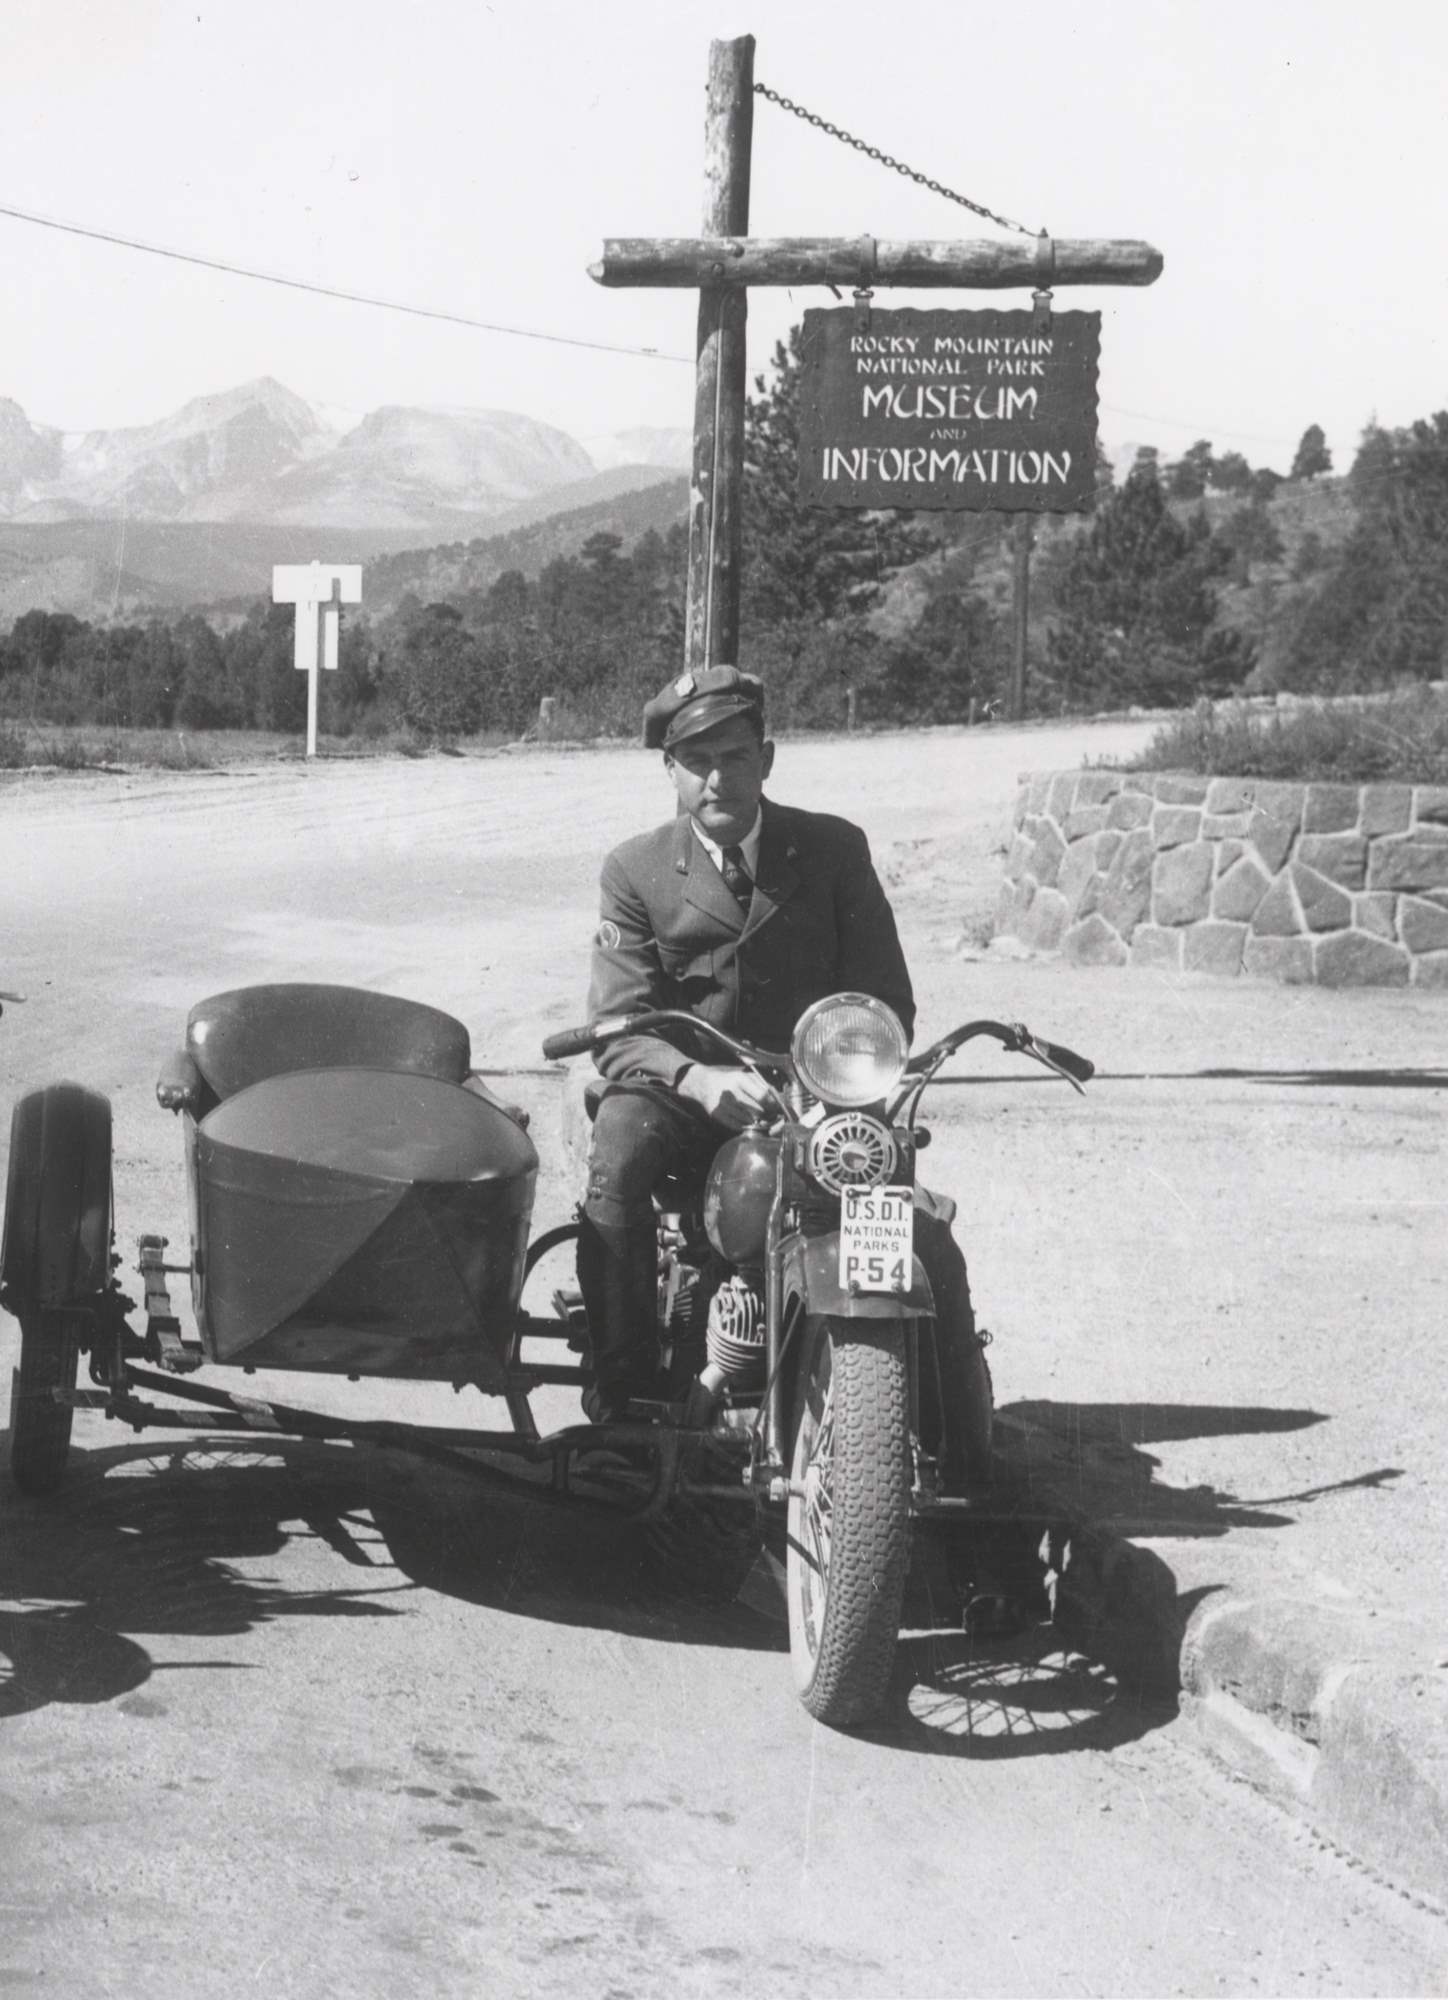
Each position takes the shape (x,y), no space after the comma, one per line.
(1020,613)
(711,620)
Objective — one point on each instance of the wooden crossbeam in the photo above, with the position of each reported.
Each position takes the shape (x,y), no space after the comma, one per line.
(691,262)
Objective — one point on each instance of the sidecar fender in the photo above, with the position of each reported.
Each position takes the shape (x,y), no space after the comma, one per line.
(812,1274)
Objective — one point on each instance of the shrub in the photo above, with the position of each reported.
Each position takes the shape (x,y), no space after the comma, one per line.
(1400,736)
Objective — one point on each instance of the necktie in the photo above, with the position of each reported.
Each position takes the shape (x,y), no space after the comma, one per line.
(736,878)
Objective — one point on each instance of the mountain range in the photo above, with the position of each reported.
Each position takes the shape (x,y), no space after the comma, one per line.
(200,504)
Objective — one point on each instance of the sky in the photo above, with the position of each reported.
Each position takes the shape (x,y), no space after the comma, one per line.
(1286,156)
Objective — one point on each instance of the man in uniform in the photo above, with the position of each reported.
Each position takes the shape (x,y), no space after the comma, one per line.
(743,912)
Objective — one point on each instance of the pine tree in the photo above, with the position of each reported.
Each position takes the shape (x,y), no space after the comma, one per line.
(206,699)
(441,692)
(1136,605)
(1189,476)
(1380,612)
(1312,456)
(807,562)
(1231,473)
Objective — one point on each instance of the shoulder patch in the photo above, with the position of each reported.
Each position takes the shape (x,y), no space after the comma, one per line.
(608,936)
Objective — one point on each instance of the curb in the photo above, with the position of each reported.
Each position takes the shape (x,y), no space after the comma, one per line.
(1321,1708)
(1340,1715)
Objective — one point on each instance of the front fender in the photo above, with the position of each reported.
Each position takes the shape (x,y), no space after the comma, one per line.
(812,1274)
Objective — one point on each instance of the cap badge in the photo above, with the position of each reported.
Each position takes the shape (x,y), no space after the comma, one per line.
(685,684)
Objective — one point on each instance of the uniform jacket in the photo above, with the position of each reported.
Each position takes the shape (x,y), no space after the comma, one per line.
(672,935)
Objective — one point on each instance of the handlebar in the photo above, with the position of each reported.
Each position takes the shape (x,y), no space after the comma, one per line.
(1014,1036)
(578,1041)
(568,1042)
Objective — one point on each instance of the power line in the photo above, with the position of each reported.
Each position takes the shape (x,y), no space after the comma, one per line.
(331,291)
(1175,424)
(462,319)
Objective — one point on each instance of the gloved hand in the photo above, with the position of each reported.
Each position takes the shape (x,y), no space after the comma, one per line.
(732,1097)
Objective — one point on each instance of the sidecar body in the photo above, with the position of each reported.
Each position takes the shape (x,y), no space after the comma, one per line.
(360,1202)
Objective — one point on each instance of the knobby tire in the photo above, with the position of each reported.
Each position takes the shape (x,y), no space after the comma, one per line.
(39,1426)
(851,1443)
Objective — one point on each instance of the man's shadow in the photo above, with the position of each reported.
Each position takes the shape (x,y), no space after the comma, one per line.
(1097,1454)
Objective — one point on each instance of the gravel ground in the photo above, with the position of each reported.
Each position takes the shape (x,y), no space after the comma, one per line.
(1225,1266)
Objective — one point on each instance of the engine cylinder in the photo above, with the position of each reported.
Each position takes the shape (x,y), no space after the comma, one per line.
(735,1333)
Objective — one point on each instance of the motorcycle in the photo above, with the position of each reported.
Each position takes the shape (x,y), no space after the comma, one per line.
(361,1204)
(799,1308)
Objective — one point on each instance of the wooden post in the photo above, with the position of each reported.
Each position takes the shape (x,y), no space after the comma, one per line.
(711,624)
(1020,613)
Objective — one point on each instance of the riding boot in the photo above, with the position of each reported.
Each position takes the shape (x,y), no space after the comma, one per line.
(618,1277)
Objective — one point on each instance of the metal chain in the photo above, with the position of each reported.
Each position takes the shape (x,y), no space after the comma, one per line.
(897,166)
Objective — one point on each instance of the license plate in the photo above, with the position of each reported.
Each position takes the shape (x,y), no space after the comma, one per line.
(877,1239)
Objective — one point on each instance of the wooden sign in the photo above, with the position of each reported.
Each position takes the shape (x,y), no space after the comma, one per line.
(977,410)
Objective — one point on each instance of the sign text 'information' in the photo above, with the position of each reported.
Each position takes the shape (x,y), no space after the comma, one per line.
(978,410)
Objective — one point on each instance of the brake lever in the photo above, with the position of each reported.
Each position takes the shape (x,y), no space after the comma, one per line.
(1026,1044)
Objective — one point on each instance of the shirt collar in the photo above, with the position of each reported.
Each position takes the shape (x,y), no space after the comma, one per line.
(749,844)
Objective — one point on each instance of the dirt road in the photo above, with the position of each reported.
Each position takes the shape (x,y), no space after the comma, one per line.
(312,1721)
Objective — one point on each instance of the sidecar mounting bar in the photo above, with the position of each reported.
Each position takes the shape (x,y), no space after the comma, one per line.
(225,1410)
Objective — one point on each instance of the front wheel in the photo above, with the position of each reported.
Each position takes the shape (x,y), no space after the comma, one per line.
(39,1425)
(849,1515)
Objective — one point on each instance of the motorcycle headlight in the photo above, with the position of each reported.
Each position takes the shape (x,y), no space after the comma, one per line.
(849,1049)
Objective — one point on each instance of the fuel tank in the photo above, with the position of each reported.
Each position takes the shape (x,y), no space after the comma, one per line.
(361,1221)
(737,1196)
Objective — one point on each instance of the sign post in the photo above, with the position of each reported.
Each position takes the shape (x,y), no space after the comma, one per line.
(1023,436)
(318,590)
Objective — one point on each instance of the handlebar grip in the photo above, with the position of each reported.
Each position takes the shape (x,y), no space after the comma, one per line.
(1081,1067)
(568,1042)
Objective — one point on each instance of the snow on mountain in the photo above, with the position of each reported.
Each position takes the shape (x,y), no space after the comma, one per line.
(260,453)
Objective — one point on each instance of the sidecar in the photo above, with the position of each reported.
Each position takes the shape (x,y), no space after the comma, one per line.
(360,1205)
(360,1201)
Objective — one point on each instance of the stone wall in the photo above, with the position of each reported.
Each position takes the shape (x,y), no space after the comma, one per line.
(1345,885)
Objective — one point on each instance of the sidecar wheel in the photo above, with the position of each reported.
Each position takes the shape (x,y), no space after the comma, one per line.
(39,1426)
(54,1263)
(849,1516)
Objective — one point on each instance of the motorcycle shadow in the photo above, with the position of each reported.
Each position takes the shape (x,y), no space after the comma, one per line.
(1016,1688)
(576,1565)
(146,1539)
